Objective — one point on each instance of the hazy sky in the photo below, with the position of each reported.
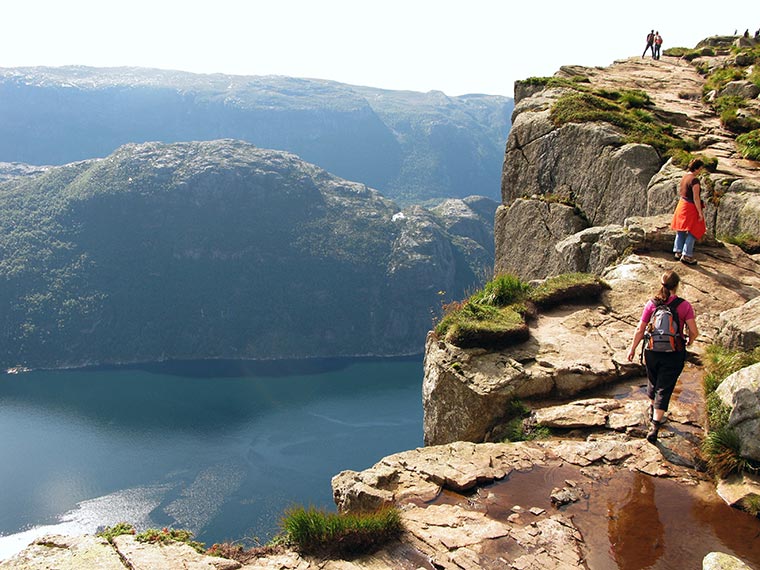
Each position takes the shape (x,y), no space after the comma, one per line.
(463,46)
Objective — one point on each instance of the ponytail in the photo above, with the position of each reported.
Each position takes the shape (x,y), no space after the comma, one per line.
(668,285)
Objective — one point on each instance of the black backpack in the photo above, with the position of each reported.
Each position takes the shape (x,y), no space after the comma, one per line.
(663,332)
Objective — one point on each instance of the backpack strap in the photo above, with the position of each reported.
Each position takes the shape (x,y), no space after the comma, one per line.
(674,310)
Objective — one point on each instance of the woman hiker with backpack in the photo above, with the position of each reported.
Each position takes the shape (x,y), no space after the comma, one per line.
(662,325)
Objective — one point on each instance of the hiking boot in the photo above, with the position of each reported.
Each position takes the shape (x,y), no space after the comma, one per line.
(688,260)
(654,428)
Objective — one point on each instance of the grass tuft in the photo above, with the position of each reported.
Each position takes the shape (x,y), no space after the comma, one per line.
(314,531)
(722,447)
(749,243)
(503,290)
(751,504)
(494,317)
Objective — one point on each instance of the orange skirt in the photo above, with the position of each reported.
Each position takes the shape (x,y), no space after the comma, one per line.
(686,218)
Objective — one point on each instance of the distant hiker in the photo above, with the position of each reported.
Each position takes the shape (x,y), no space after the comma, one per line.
(657,45)
(688,219)
(664,350)
(746,33)
(650,44)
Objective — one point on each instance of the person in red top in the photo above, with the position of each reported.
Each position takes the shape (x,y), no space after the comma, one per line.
(688,219)
(664,368)
(657,45)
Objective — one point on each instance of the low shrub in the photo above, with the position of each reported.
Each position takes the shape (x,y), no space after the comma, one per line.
(314,531)
(749,144)
(736,123)
(167,535)
(517,427)
(110,532)
(676,51)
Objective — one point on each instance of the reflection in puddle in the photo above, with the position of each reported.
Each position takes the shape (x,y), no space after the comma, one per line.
(628,520)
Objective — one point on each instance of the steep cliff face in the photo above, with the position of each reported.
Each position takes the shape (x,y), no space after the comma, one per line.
(217,250)
(600,179)
(411,146)
(578,197)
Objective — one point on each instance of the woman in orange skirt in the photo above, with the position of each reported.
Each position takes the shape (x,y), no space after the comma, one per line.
(688,219)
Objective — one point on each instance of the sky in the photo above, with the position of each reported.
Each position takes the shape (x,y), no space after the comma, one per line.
(458,47)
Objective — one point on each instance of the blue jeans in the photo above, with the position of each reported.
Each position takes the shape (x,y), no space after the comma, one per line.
(684,243)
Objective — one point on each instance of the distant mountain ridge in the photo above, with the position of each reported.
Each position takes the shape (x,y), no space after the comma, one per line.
(413,147)
(221,250)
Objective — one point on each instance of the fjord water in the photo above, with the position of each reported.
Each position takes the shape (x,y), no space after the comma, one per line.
(220,448)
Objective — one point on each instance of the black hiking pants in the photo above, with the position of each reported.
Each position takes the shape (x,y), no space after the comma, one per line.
(663,370)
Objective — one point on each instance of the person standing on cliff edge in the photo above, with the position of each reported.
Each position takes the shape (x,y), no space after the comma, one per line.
(657,45)
(664,367)
(650,44)
(688,218)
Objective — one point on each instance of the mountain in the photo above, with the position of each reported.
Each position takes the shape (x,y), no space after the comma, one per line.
(413,147)
(221,250)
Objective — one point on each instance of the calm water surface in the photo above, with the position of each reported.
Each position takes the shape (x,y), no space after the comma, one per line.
(219,448)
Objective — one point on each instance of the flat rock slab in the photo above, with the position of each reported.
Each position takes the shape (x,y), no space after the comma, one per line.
(66,553)
(141,556)
(460,539)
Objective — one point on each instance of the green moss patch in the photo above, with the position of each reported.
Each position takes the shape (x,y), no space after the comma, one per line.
(566,288)
(494,317)
(475,324)
(623,109)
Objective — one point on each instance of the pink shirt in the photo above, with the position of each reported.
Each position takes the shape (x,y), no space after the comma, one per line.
(685,311)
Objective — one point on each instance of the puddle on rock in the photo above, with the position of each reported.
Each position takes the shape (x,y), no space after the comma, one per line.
(628,520)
